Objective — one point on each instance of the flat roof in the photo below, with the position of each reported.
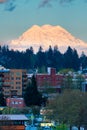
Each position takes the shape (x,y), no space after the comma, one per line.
(4,70)
(13,117)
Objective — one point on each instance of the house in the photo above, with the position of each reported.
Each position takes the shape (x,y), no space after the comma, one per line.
(15,102)
(12,122)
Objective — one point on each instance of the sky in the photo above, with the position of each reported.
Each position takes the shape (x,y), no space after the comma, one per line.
(17,16)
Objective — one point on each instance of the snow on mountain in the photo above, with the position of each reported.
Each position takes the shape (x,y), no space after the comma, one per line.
(45,36)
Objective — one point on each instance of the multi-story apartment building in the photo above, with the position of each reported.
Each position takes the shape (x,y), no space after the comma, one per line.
(4,81)
(18,81)
(13,82)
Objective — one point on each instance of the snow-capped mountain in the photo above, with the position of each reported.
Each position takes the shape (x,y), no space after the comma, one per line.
(47,35)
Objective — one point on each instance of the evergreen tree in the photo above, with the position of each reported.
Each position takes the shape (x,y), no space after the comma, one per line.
(76,63)
(57,57)
(83,60)
(68,58)
(32,96)
(49,55)
(29,58)
(2,100)
(40,59)
(50,58)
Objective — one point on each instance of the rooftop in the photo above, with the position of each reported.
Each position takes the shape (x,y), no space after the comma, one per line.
(3,69)
(13,117)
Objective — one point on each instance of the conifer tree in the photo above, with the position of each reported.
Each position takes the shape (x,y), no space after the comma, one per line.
(2,100)
(32,95)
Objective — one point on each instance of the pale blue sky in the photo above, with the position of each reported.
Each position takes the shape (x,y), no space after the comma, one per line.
(26,13)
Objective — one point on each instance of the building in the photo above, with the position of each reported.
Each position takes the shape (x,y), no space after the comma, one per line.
(49,80)
(84,86)
(13,82)
(13,122)
(4,81)
(18,80)
(15,102)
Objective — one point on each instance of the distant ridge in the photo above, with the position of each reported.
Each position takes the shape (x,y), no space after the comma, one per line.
(46,35)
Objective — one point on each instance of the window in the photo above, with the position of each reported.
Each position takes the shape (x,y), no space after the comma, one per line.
(12,87)
(20,102)
(6,87)
(6,92)
(6,78)
(18,78)
(18,82)
(16,102)
(6,83)
(18,87)
(18,73)
(12,78)
(12,73)
(12,102)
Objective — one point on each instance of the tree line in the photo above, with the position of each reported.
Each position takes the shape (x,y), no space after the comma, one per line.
(42,59)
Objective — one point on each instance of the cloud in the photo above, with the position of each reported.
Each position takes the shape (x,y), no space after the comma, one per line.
(10,5)
(45,3)
(49,2)
(65,1)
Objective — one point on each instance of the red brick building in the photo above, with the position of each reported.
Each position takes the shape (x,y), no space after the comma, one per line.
(50,79)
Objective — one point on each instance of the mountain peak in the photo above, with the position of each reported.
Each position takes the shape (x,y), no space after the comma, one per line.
(47,35)
(35,26)
(47,26)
